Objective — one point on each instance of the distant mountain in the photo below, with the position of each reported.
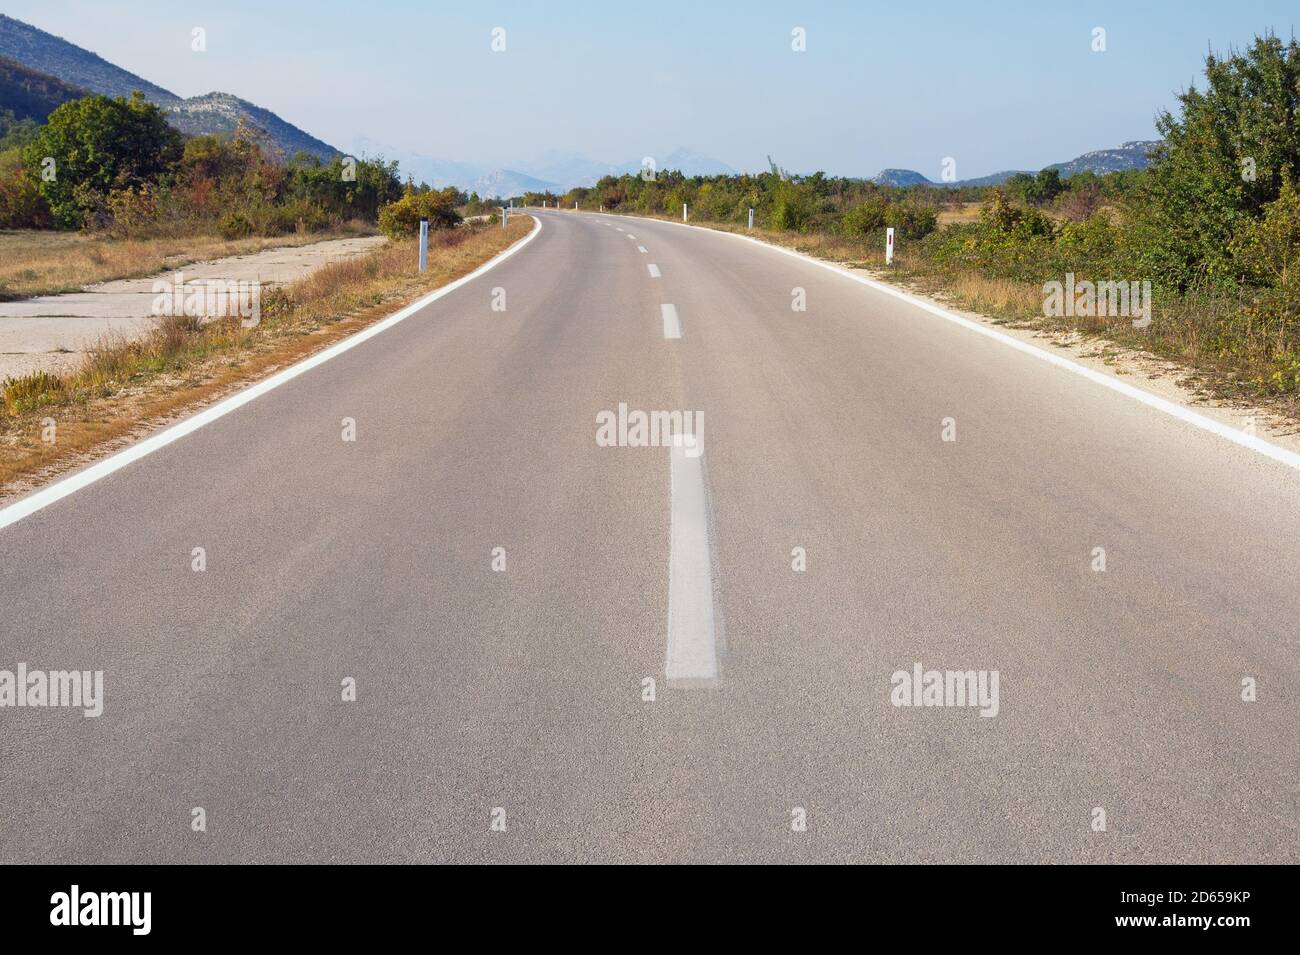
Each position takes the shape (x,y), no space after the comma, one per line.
(690,163)
(503,183)
(570,169)
(554,171)
(1128,156)
(438,173)
(29,94)
(900,178)
(212,113)
(992,179)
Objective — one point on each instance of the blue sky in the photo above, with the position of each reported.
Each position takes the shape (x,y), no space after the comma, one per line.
(994,85)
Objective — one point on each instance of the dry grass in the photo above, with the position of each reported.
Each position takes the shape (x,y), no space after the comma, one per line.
(1002,298)
(125,387)
(968,212)
(34,262)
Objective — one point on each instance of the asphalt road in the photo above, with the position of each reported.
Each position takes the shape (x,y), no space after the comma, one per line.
(522,689)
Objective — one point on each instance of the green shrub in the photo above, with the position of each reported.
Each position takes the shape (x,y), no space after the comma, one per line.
(235,224)
(910,219)
(401,219)
(864,219)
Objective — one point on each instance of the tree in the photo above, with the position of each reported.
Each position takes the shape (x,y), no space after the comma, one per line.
(94,145)
(1223,160)
(1036,190)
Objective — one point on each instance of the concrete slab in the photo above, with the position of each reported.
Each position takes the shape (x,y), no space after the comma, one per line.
(52,332)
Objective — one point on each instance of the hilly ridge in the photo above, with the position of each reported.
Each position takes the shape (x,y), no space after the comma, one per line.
(29,94)
(84,71)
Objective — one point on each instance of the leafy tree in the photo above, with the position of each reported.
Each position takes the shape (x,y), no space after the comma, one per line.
(1223,159)
(1036,190)
(98,145)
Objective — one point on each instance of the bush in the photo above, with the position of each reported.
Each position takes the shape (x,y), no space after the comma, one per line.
(235,224)
(401,219)
(21,205)
(133,211)
(864,219)
(911,219)
(1013,221)
(1268,252)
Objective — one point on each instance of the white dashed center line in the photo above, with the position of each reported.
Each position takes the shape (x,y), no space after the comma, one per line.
(640,248)
(692,657)
(654,270)
(672,325)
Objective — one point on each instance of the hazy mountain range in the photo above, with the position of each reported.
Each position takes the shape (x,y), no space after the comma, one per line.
(553,171)
(38,71)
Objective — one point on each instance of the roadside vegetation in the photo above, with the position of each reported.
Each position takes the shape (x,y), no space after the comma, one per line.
(126,383)
(115,167)
(1213,224)
(105,188)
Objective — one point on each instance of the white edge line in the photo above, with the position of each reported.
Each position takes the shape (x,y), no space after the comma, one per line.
(1235,435)
(55,492)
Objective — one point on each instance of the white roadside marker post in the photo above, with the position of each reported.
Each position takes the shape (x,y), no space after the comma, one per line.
(889,246)
(751,218)
(683,212)
(575,205)
(424,244)
(505,214)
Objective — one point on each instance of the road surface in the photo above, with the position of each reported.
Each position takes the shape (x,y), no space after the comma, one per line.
(505,689)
